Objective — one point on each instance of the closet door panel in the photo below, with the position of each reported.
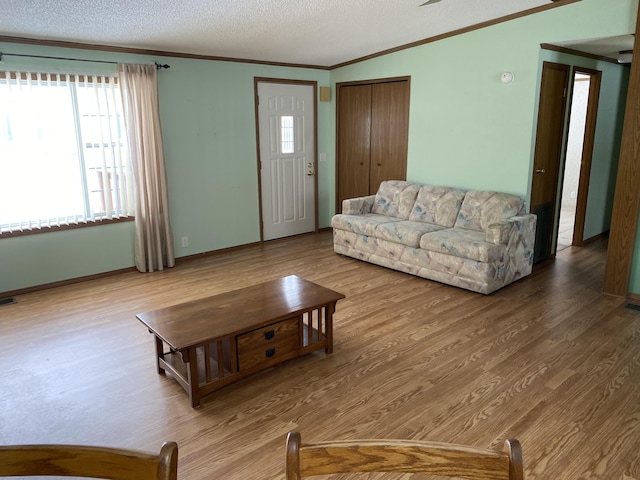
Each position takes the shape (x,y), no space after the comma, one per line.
(354,142)
(389,132)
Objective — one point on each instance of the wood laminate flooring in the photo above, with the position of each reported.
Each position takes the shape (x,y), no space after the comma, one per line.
(548,360)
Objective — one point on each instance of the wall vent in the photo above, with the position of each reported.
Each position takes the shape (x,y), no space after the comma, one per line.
(7,301)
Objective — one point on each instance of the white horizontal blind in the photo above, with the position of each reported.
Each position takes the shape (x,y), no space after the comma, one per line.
(63,153)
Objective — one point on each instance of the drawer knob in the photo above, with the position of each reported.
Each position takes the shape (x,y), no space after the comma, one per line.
(269,335)
(270,352)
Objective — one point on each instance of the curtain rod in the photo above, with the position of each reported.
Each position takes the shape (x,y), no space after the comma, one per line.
(158,65)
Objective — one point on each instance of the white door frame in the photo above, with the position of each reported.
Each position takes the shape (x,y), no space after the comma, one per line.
(314,85)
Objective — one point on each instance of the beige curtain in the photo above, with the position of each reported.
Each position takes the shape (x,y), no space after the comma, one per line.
(153,242)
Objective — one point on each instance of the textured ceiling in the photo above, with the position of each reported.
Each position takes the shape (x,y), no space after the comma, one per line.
(308,32)
(602,47)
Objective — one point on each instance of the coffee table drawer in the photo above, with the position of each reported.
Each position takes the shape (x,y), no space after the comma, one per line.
(267,345)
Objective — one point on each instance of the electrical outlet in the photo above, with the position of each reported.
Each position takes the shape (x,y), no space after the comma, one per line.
(185,242)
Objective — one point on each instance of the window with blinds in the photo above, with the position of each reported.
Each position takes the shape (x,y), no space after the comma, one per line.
(63,153)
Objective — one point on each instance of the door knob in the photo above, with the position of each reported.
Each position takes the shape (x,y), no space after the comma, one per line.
(310,174)
(540,170)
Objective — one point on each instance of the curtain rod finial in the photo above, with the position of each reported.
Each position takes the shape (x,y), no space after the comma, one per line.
(159,66)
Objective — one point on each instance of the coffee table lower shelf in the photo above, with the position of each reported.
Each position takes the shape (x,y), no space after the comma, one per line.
(210,377)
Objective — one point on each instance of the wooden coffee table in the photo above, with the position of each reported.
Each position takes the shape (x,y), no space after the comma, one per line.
(208,343)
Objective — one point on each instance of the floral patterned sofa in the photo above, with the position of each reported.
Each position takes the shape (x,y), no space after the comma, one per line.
(477,240)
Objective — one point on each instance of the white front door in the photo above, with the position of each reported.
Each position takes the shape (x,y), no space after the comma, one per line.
(286,133)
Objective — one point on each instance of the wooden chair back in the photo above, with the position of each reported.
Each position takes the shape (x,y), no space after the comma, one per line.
(402,456)
(90,462)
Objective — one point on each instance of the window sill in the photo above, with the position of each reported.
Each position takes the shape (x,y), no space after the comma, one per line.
(58,228)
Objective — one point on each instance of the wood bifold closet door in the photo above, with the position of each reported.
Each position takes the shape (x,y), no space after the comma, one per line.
(373,125)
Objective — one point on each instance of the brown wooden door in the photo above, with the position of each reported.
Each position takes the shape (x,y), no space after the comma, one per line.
(548,152)
(372,136)
(354,141)
(595,79)
(389,128)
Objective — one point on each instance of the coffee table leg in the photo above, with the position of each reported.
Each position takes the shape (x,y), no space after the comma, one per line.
(159,355)
(192,377)
(331,308)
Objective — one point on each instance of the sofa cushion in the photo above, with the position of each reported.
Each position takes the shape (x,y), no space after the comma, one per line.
(482,208)
(395,198)
(462,243)
(405,232)
(362,224)
(439,205)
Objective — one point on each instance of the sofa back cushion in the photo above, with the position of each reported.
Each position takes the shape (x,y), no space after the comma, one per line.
(481,208)
(437,205)
(395,198)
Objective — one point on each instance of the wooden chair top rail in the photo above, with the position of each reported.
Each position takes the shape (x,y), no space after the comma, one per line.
(402,456)
(88,461)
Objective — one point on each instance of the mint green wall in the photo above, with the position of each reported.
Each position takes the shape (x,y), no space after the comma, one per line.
(50,257)
(208,122)
(466,130)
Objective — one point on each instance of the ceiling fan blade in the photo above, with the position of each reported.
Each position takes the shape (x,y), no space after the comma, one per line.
(429,2)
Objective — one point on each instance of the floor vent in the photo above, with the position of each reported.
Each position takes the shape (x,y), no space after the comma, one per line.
(7,301)
(631,306)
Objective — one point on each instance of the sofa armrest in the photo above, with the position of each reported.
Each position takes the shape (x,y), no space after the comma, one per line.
(358,206)
(499,232)
(516,230)
(525,225)
(520,228)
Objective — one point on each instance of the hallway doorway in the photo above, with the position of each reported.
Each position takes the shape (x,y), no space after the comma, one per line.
(585,93)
